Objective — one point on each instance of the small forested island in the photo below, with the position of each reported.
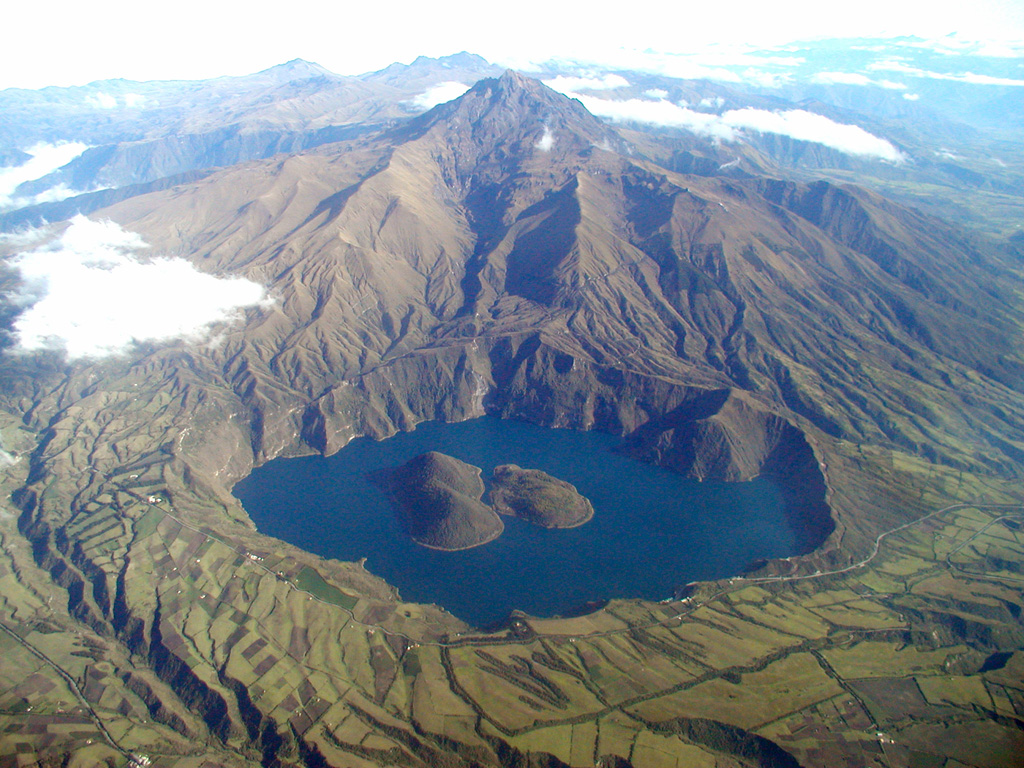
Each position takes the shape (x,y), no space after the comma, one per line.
(438,501)
(538,498)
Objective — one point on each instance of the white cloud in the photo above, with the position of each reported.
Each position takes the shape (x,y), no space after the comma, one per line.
(955,44)
(855,78)
(1001,50)
(656,93)
(911,96)
(808,126)
(22,239)
(892,65)
(102,101)
(896,64)
(842,78)
(714,60)
(658,113)
(45,159)
(682,66)
(765,79)
(439,94)
(971,77)
(52,195)
(566,84)
(708,103)
(746,57)
(89,294)
(795,123)
(545,142)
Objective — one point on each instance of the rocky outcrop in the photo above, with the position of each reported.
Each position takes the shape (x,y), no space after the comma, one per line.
(720,435)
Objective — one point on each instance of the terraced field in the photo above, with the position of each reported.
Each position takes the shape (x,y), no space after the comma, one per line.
(905,658)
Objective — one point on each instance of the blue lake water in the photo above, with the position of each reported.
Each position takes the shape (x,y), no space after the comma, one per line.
(652,529)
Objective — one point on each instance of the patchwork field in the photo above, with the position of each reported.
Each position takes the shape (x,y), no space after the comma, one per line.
(901,658)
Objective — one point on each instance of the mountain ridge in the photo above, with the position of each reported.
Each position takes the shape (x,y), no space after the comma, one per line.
(555,229)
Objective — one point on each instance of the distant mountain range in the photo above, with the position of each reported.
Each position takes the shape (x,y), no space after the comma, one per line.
(952,121)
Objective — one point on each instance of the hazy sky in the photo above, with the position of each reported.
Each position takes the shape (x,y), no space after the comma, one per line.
(69,42)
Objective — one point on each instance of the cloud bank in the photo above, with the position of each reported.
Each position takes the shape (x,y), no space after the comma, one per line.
(970,78)
(104,100)
(956,44)
(854,78)
(89,294)
(795,123)
(566,84)
(659,112)
(682,66)
(808,126)
(45,159)
(439,94)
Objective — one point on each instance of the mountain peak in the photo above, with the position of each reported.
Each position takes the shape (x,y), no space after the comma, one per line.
(512,78)
(514,99)
(428,71)
(296,69)
(463,59)
(501,122)
(515,87)
(512,82)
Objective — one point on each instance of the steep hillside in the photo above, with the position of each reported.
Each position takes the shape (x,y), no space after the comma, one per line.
(508,212)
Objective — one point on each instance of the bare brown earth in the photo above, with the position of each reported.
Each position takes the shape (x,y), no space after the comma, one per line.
(863,353)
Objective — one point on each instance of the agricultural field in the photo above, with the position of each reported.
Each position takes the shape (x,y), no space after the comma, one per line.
(901,658)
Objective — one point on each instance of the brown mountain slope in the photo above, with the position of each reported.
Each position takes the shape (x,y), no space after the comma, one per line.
(869,319)
(162,130)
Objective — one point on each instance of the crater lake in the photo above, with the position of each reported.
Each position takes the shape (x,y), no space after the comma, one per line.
(653,530)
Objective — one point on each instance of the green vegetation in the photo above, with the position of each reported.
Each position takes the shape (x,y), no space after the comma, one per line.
(437,499)
(900,660)
(539,498)
(310,581)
